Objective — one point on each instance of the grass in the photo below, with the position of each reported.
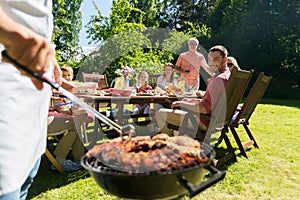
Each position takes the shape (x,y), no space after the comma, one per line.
(271,172)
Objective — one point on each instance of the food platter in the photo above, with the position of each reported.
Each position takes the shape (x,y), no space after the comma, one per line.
(144,94)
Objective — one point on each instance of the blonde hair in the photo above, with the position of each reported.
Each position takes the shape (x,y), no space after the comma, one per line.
(234,62)
(139,77)
(145,73)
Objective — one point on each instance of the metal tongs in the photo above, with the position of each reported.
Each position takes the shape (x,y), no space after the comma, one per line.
(128,129)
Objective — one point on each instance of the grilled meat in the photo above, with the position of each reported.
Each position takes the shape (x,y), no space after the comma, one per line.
(158,154)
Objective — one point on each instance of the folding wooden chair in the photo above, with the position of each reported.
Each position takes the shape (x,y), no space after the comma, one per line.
(49,154)
(244,113)
(102,82)
(221,115)
(101,79)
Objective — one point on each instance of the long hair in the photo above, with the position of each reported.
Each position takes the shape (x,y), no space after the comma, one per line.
(147,75)
(169,65)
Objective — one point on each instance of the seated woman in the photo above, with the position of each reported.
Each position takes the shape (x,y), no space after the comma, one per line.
(232,63)
(167,78)
(164,81)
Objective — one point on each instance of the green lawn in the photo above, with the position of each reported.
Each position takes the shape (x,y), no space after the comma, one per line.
(271,172)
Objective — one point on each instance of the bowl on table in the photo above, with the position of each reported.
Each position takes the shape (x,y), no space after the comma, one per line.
(120,92)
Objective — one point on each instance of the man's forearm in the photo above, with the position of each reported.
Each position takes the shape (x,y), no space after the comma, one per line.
(190,106)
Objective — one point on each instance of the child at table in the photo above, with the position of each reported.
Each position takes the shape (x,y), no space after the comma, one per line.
(142,87)
(71,142)
(61,103)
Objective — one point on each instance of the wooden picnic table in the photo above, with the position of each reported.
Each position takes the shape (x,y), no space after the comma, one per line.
(120,101)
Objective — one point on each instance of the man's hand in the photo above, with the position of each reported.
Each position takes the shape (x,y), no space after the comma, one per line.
(182,104)
(192,100)
(193,106)
(179,69)
(27,48)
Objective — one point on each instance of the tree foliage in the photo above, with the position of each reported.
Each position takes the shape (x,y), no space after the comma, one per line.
(122,18)
(151,11)
(143,49)
(132,35)
(262,34)
(67,25)
(124,38)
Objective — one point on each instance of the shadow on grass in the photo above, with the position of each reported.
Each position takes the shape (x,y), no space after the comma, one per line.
(48,179)
(281,102)
(221,152)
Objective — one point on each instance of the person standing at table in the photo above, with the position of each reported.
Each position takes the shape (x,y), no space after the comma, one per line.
(25,33)
(189,63)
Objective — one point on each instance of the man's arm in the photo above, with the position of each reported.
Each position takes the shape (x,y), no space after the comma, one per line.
(207,68)
(190,106)
(28,48)
(200,93)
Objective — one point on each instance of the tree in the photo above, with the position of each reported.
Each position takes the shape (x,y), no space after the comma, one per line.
(120,20)
(67,25)
(151,11)
(125,37)
(182,14)
(122,38)
(263,35)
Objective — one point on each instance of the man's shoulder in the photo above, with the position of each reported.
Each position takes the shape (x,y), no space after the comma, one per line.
(184,53)
(188,53)
(199,54)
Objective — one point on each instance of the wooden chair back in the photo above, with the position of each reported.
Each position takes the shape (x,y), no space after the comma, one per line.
(101,79)
(244,113)
(234,92)
(224,108)
(229,100)
(255,95)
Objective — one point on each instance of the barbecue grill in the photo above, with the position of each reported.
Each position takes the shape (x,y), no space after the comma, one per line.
(157,184)
(165,184)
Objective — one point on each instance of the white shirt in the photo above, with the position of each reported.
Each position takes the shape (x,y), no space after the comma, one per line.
(163,83)
(23,108)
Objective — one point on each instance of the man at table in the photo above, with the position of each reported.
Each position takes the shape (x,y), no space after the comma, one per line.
(217,58)
(189,63)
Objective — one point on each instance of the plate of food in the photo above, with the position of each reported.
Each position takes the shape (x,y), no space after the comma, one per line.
(144,94)
(120,92)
